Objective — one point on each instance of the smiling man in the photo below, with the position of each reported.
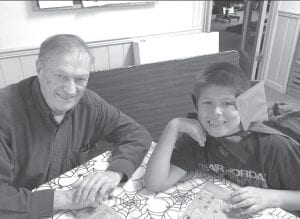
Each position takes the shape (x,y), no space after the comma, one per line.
(63,75)
(50,123)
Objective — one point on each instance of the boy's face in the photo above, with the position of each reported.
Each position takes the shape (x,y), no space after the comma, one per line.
(217,111)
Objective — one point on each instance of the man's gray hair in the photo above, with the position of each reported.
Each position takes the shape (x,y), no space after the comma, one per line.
(61,44)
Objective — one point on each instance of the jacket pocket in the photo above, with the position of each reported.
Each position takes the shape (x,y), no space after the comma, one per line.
(78,157)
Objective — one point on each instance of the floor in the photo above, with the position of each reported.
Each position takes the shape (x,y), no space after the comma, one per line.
(275,96)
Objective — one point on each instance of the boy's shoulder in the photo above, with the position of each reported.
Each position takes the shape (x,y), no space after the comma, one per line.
(185,139)
(273,143)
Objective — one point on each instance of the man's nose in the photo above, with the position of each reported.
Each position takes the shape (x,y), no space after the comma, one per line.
(70,87)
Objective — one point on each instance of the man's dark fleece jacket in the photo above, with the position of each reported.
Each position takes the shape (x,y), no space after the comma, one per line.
(34,148)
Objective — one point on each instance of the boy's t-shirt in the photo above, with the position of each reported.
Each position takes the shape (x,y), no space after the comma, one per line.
(259,160)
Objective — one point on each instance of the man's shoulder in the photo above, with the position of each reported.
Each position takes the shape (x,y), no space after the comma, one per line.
(14,88)
(13,93)
(92,101)
(13,99)
(90,97)
(6,93)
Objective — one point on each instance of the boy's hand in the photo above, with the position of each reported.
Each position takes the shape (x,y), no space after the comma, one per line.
(193,128)
(250,200)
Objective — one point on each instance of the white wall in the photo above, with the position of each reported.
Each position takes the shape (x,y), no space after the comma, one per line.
(290,6)
(23,26)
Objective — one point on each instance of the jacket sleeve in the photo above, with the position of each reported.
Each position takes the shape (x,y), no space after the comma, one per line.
(131,140)
(15,202)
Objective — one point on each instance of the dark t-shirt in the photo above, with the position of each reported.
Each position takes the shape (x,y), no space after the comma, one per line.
(268,161)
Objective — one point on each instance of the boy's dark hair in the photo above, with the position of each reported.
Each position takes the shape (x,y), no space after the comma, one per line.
(221,74)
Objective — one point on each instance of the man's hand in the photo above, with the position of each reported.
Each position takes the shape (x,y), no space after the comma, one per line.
(249,200)
(193,128)
(63,199)
(88,192)
(96,187)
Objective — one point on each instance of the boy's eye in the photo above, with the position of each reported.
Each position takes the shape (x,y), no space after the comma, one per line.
(206,102)
(229,103)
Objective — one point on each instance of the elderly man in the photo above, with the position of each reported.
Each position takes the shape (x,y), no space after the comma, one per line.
(49,125)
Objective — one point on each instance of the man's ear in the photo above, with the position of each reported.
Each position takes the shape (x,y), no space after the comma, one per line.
(38,67)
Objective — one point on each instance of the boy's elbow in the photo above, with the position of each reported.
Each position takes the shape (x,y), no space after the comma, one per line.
(154,187)
(151,184)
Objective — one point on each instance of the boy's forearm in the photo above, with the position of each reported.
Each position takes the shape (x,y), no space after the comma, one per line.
(287,199)
(159,164)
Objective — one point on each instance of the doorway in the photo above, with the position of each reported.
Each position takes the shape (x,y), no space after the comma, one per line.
(241,26)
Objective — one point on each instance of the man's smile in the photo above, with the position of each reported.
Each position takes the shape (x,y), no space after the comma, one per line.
(66,97)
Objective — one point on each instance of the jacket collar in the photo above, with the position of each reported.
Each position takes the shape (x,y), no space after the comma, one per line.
(252,105)
(235,145)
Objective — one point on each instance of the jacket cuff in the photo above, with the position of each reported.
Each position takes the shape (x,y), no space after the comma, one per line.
(124,166)
(42,203)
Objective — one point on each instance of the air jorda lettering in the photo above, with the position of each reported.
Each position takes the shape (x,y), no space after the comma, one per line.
(239,176)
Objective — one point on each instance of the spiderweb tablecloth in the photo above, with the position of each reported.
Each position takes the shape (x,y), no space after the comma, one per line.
(133,200)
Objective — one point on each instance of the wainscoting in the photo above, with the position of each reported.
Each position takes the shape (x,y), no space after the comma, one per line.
(17,65)
(112,54)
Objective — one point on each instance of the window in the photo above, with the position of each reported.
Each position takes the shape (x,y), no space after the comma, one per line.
(42,4)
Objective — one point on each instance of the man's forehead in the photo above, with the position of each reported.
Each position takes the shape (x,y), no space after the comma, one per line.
(69,59)
(69,68)
(72,70)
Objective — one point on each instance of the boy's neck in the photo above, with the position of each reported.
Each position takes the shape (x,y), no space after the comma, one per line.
(236,137)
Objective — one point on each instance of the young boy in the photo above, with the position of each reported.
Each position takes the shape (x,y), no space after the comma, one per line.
(266,166)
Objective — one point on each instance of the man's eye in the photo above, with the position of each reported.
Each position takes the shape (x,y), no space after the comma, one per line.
(60,77)
(81,80)
(206,102)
